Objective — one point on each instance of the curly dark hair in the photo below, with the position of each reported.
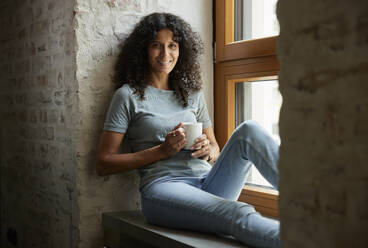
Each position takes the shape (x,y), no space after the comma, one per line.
(132,66)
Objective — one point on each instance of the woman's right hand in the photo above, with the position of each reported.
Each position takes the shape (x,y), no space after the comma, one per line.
(175,141)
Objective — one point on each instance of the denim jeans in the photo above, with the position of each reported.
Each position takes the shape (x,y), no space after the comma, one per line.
(209,203)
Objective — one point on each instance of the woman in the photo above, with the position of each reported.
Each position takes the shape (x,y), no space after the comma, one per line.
(159,88)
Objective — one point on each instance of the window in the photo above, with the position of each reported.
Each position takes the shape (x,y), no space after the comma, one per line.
(254,19)
(246,70)
(259,101)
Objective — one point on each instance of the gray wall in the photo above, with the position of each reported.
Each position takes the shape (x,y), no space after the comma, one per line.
(323,53)
(38,102)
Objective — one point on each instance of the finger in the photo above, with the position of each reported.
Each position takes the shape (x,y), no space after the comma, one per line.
(200,144)
(206,158)
(179,132)
(178,126)
(176,136)
(201,138)
(176,141)
(182,143)
(179,145)
(198,155)
(176,132)
(201,152)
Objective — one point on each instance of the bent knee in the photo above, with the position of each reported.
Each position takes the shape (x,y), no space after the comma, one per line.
(248,128)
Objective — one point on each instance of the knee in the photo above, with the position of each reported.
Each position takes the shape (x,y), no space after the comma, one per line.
(248,128)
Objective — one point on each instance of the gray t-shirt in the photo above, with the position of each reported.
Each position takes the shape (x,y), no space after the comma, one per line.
(145,123)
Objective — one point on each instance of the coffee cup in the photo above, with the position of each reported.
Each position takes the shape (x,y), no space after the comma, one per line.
(192,131)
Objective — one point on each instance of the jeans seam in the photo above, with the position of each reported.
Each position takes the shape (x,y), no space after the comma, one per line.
(174,205)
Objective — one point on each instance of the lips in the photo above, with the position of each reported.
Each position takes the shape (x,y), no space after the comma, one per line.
(164,63)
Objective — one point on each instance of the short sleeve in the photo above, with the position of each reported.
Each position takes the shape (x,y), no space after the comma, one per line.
(202,113)
(119,114)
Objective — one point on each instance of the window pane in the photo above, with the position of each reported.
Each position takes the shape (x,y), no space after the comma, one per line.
(260,101)
(255,19)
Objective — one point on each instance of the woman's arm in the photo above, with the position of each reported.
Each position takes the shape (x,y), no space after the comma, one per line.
(207,146)
(110,162)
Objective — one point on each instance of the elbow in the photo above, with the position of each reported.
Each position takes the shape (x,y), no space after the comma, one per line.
(101,168)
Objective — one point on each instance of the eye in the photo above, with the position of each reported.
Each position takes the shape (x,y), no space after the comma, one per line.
(155,45)
(173,45)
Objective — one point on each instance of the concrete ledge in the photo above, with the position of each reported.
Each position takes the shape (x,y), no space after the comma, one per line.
(129,229)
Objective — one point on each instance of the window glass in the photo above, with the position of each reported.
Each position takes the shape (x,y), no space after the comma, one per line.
(260,101)
(255,19)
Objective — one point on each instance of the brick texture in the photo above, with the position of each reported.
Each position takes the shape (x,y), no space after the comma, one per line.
(38,98)
(56,67)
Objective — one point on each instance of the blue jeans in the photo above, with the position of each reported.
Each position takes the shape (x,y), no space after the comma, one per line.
(209,203)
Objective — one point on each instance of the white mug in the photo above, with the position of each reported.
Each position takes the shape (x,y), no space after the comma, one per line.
(192,131)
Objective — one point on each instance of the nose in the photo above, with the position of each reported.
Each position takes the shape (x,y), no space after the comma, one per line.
(164,52)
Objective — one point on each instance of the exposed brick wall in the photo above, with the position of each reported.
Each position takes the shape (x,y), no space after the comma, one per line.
(323,52)
(54,93)
(38,102)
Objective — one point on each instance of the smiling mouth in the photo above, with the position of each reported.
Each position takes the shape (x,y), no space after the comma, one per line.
(164,63)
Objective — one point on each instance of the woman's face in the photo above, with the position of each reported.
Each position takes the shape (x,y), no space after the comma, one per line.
(163,52)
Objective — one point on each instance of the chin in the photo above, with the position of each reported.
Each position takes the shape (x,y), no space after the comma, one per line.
(167,71)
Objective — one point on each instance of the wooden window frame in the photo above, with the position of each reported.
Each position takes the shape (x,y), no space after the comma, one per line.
(226,48)
(235,62)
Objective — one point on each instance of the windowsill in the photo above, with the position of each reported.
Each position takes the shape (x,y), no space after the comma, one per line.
(264,200)
(131,230)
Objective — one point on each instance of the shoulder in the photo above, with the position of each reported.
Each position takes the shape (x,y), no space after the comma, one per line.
(124,95)
(195,98)
(124,91)
(197,95)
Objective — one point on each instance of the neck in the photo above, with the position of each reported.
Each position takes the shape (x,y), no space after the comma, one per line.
(159,80)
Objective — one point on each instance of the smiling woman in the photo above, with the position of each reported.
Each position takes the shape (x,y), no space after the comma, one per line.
(159,92)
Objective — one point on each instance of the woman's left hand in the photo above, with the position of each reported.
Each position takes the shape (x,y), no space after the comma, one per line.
(203,148)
